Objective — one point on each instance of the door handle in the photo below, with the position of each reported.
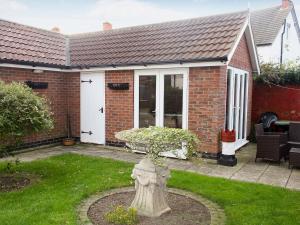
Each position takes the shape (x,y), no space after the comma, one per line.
(101,110)
(87,132)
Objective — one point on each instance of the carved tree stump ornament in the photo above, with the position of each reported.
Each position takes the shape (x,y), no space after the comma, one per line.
(150,185)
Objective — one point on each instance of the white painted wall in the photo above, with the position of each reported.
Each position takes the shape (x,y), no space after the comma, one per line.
(291,45)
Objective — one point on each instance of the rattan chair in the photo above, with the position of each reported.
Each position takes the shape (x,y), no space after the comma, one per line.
(294,135)
(271,146)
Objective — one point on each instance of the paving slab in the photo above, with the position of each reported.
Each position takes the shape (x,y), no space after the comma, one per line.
(250,172)
(275,175)
(294,181)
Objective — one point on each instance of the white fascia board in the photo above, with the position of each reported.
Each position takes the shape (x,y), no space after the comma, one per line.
(251,46)
(157,66)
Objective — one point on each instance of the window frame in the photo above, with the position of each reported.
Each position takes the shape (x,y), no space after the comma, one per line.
(159,111)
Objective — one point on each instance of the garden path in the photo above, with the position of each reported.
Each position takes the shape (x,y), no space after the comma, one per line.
(246,169)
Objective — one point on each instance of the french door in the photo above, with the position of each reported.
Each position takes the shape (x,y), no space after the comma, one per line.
(161,98)
(237,103)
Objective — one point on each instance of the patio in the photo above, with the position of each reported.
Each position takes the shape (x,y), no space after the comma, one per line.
(246,169)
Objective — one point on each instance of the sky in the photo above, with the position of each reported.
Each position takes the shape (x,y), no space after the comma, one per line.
(78,16)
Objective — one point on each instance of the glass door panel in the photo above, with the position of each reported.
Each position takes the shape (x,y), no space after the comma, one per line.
(147,101)
(245,85)
(173,96)
(237,98)
(241,119)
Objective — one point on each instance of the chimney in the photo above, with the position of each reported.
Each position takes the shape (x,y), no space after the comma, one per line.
(55,29)
(285,4)
(107,26)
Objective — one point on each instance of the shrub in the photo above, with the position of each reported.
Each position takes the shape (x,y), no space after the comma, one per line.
(22,112)
(159,139)
(121,216)
(279,74)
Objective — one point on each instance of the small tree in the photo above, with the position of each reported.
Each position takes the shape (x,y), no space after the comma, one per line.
(22,112)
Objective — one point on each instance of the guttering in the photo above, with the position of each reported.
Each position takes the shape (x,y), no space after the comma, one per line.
(263,45)
(33,64)
(221,61)
(146,64)
(281,42)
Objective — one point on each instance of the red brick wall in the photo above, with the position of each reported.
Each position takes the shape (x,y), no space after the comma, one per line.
(119,111)
(241,60)
(207,97)
(284,101)
(60,86)
(73,95)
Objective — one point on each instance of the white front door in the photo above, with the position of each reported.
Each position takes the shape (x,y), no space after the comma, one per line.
(237,104)
(92,107)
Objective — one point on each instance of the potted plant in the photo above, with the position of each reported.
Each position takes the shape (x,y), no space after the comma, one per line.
(151,173)
(228,135)
(69,140)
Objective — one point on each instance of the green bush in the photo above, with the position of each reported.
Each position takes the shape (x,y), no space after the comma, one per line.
(159,139)
(22,112)
(279,74)
(121,216)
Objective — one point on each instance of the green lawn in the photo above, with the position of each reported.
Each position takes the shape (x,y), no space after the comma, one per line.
(68,179)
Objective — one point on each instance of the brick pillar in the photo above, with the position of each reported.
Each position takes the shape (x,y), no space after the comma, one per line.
(207,100)
(119,113)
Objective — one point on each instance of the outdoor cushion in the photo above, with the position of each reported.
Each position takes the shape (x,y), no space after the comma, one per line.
(294,132)
(294,143)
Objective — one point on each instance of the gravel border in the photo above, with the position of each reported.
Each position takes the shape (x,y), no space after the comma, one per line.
(217,213)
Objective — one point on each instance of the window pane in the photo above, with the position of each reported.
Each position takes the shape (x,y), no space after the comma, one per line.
(228,100)
(240,108)
(235,103)
(245,106)
(147,95)
(173,94)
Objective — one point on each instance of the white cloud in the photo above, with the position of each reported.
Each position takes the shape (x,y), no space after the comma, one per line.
(12,6)
(133,12)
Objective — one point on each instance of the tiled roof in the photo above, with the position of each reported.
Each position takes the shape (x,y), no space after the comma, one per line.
(266,24)
(199,39)
(20,43)
(196,39)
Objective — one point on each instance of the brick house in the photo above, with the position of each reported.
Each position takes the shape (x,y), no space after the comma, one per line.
(193,74)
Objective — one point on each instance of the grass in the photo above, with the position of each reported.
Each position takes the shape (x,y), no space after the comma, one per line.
(68,179)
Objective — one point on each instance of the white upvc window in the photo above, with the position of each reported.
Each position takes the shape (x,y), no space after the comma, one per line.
(161,98)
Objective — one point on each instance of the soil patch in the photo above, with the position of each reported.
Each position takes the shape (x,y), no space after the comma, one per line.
(12,182)
(184,210)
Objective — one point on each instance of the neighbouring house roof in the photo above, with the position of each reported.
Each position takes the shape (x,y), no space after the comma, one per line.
(193,40)
(266,23)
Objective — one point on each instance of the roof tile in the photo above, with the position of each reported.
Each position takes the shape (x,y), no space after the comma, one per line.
(202,38)
(267,23)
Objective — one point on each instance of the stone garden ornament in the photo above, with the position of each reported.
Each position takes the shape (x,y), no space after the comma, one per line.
(151,173)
